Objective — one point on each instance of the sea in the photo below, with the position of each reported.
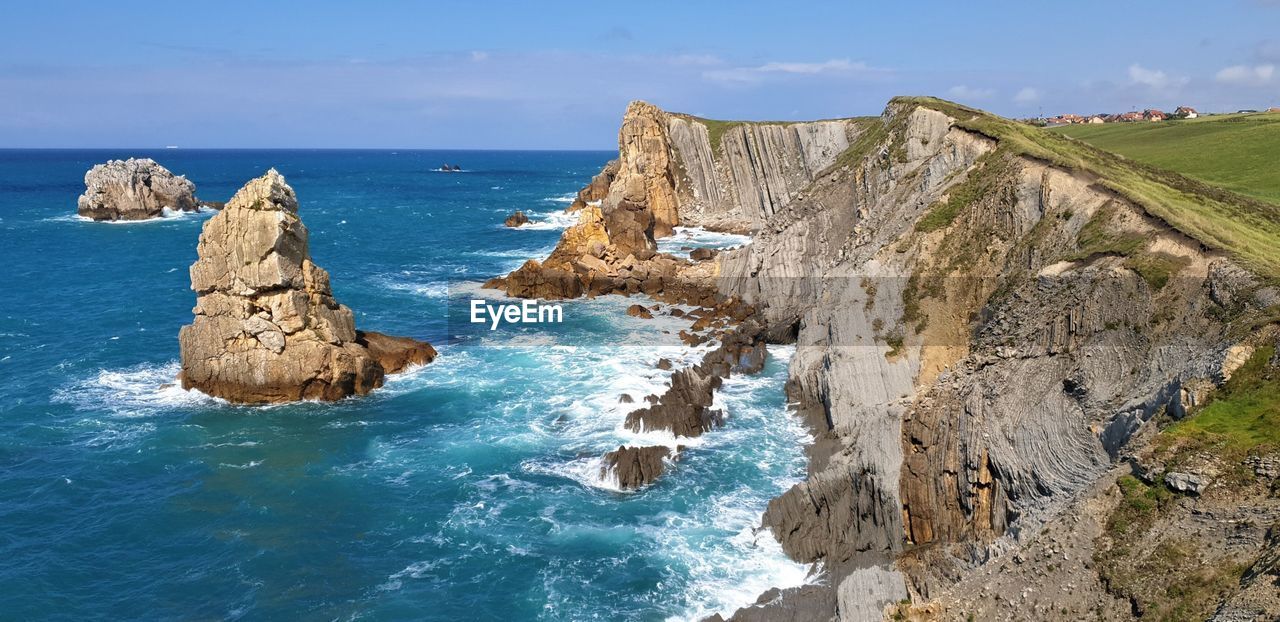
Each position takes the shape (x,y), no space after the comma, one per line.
(467,489)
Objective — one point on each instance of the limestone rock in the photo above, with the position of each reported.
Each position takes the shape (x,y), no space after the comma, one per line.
(1186,482)
(134,189)
(640,312)
(635,467)
(395,354)
(267,328)
(516,219)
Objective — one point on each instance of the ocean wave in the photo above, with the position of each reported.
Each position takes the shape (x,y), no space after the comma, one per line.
(166,215)
(549,222)
(697,237)
(138,391)
(435,289)
(564,198)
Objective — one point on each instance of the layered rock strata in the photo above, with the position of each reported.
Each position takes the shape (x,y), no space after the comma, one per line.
(134,189)
(980,333)
(267,328)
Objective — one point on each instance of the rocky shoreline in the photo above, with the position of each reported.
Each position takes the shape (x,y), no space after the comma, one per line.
(963,355)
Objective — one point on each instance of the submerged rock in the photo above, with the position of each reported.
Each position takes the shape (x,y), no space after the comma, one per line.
(134,189)
(267,328)
(516,219)
(640,312)
(635,466)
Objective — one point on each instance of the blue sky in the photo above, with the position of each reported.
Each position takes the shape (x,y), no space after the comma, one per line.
(473,74)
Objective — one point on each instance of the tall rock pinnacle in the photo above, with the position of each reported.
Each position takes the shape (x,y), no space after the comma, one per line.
(267,328)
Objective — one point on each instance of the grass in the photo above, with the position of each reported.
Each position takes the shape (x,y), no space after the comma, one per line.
(1167,582)
(1238,152)
(1245,227)
(981,182)
(1098,236)
(1242,416)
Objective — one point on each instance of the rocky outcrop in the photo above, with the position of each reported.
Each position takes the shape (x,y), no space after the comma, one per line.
(516,219)
(970,373)
(134,189)
(635,467)
(735,175)
(596,191)
(267,328)
(981,329)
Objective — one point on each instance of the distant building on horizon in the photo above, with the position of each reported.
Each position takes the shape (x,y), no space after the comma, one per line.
(1186,112)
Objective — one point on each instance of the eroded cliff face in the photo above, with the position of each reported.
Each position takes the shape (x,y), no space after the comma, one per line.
(970,370)
(266,327)
(979,332)
(752,170)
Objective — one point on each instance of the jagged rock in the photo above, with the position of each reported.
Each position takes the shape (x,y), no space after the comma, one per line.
(685,408)
(597,190)
(663,364)
(267,328)
(635,467)
(626,398)
(395,354)
(702,254)
(134,189)
(1186,482)
(807,603)
(640,312)
(516,219)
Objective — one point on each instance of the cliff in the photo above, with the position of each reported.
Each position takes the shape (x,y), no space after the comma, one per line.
(134,189)
(990,321)
(267,328)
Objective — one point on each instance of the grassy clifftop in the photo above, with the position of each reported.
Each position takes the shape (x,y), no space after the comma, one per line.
(1240,152)
(1246,227)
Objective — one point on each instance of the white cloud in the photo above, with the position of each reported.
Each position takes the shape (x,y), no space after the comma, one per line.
(743,75)
(842,64)
(970,93)
(1245,75)
(1154,78)
(1026,95)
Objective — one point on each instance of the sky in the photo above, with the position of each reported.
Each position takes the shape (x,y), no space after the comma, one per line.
(558,75)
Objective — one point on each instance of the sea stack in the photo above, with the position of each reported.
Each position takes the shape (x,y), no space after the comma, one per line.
(134,189)
(267,328)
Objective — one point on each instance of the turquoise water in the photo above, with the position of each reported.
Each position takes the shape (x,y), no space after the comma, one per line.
(467,489)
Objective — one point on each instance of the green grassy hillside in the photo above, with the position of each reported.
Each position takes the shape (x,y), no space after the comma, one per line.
(1244,226)
(1240,152)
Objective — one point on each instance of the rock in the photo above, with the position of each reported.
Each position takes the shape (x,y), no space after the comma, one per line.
(634,467)
(395,354)
(664,364)
(640,312)
(685,408)
(702,254)
(267,328)
(626,398)
(1186,482)
(134,189)
(516,219)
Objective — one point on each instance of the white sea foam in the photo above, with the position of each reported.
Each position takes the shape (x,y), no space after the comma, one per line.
(429,290)
(697,237)
(166,215)
(549,222)
(138,391)
(564,198)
